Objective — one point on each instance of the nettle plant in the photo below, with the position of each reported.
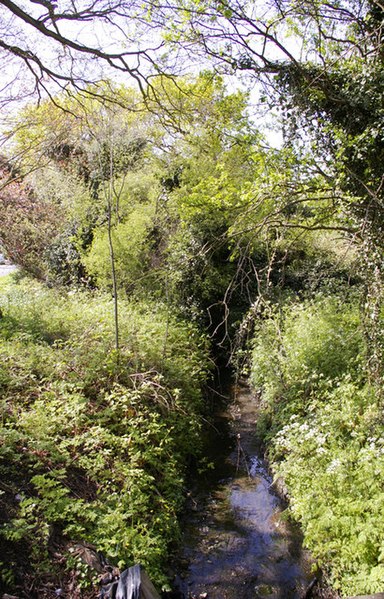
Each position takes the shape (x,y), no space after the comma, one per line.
(311,343)
(332,460)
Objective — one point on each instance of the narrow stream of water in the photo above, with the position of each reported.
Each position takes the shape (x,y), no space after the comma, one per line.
(236,542)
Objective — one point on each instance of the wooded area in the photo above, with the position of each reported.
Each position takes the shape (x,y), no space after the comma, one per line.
(160,233)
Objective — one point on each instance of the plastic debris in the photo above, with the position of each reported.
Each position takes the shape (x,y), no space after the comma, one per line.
(132,583)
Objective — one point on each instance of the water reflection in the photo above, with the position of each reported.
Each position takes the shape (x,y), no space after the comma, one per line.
(237,544)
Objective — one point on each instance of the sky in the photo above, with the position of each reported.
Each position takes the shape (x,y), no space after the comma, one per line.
(18,82)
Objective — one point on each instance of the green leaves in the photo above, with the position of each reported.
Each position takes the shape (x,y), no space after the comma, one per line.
(333,468)
(326,435)
(132,248)
(95,448)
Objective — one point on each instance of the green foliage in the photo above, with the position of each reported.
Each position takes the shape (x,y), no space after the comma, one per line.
(132,246)
(204,218)
(96,161)
(302,345)
(94,445)
(339,105)
(323,423)
(198,270)
(332,461)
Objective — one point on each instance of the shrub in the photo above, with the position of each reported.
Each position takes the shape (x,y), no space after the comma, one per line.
(131,246)
(332,461)
(303,346)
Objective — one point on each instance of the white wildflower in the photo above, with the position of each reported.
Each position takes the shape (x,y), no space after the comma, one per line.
(334,465)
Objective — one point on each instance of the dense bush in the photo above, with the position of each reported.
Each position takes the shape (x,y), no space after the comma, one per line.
(131,246)
(332,460)
(301,345)
(94,445)
(27,225)
(323,421)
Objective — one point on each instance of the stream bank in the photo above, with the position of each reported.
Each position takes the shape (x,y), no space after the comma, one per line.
(237,542)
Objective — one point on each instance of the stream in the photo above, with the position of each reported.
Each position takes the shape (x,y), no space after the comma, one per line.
(236,542)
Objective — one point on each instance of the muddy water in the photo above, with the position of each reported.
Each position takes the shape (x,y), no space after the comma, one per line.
(237,543)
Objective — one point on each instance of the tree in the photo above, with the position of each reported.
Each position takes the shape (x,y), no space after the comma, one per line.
(46,48)
(28,225)
(344,100)
(308,57)
(321,64)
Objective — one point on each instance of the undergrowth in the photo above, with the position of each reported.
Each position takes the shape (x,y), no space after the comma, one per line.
(322,421)
(94,443)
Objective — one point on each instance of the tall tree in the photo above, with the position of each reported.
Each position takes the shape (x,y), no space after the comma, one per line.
(321,63)
(45,46)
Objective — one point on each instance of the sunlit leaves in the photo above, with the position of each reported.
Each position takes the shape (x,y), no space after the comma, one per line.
(95,447)
(323,421)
